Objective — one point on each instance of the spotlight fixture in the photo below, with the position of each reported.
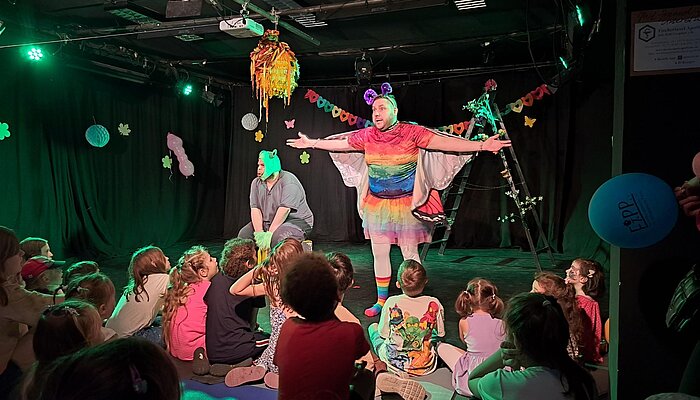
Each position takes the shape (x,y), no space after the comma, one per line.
(212,98)
(363,68)
(184,87)
(35,54)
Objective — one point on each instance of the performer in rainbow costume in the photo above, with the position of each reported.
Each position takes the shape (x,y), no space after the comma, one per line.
(396,168)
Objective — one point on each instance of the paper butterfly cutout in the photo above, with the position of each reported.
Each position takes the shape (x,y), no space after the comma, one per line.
(124,129)
(304,157)
(290,124)
(529,122)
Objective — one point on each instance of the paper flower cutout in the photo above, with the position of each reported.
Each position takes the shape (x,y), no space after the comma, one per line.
(167,162)
(259,136)
(529,122)
(4,131)
(124,129)
(290,124)
(304,157)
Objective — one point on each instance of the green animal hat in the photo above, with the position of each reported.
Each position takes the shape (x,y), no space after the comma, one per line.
(271,162)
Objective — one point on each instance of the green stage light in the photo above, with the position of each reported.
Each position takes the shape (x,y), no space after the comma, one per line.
(564,63)
(35,54)
(579,16)
(187,89)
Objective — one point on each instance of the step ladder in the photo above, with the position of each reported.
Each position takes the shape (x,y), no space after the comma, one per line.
(451,198)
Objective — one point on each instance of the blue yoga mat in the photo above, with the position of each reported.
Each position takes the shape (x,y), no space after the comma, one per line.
(193,390)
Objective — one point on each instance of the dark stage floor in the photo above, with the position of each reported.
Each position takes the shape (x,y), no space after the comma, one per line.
(511,270)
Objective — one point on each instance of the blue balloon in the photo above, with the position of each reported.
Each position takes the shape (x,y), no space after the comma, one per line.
(633,210)
(97,135)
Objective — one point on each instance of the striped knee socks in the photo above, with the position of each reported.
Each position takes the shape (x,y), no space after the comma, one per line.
(382,294)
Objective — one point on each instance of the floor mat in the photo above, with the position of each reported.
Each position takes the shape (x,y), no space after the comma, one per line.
(199,391)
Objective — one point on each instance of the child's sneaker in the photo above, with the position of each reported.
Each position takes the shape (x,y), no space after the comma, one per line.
(239,376)
(272,380)
(406,388)
(200,363)
(223,369)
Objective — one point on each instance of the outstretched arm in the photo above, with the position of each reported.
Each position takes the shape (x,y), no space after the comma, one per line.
(303,142)
(457,145)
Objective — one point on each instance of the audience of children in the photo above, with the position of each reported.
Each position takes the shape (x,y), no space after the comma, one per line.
(34,246)
(98,290)
(19,309)
(536,352)
(271,273)
(315,340)
(409,324)
(62,329)
(211,316)
(230,338)
(128,368)
(42,274)
(588,281)
(184,312)
(551,284)
(480,328)
(143,296)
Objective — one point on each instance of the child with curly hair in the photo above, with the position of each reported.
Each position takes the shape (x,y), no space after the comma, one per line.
(185,312)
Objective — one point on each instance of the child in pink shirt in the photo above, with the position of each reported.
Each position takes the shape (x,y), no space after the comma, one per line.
(185,312)
(588,280)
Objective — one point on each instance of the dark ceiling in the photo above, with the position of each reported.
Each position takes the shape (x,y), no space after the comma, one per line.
(407,38)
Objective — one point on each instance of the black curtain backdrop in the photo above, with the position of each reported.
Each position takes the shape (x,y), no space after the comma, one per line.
(565,157)
(110,200)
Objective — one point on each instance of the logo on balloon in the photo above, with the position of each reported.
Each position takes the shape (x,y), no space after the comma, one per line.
(633,210)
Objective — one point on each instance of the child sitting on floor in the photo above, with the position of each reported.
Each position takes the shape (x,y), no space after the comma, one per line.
(98,290)
(316,352)
(184,312)
(480,328)
(62,329)
(35,246)
(588,281)
(551,284)
(271,272)
(230,339)
(79,269)
(404,338)
(42,274)
(143,296)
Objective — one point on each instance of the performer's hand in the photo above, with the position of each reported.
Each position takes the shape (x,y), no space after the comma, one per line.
(493,145)
(302,143)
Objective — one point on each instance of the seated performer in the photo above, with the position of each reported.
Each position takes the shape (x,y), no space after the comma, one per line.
(278,208)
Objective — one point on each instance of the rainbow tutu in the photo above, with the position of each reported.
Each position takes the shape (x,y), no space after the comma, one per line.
(391,221)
